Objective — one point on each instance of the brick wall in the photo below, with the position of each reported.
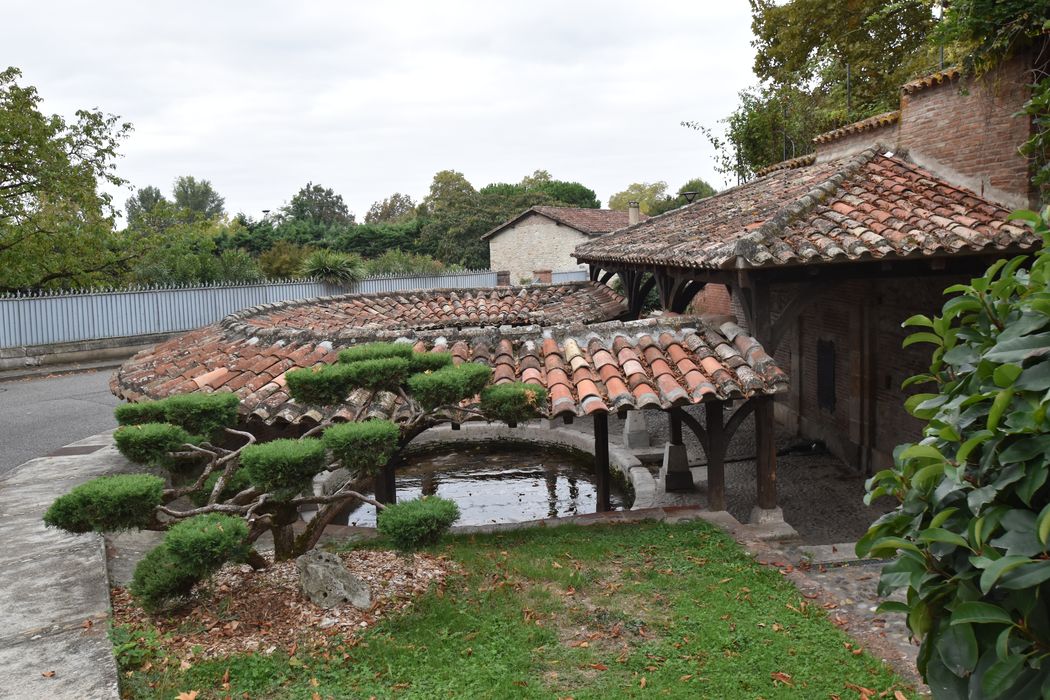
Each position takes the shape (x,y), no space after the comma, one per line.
(966,131)
(712,299)
(861,318)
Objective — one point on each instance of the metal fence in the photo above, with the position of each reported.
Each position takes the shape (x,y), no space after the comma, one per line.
(569,276)
(66,317)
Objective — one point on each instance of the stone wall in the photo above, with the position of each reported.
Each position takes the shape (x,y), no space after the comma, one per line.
(534,243)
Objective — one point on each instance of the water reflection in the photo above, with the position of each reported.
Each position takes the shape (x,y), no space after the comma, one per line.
(497,486)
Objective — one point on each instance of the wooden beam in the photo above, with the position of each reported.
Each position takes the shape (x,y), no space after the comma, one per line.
(601,460)
(766,472)
(386,484)
(716,455)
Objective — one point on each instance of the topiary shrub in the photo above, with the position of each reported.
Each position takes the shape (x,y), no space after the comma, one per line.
(417,523)
(203,543)
(160,578)
(970,540)
(323,386)
(381,374)
(283,465)
(513,402)
(450,385)
(363,448)
(150,443)
(108,503)
(202,414)
(428,361)
(138,413)
(375,351)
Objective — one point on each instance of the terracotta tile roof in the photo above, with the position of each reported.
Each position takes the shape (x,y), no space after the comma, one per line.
(861,207)
(930,80)
(879,120)
(593,222)
(587,368)
(351,314)
(790,164)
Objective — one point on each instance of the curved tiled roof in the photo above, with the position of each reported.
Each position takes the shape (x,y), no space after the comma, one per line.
(867,206)
(352,314)
(879,120)
(587,368)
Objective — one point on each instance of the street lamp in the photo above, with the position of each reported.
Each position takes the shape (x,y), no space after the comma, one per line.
(689,196)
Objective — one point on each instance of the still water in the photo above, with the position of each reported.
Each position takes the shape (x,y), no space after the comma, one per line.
(498,485)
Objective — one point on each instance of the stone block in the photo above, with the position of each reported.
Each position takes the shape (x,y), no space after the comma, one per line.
(635,432)
(327,582)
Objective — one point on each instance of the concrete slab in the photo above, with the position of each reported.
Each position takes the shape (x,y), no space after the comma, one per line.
(839,553)
(81,661)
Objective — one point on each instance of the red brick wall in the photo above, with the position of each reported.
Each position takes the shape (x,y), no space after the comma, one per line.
(712,299)
(966,131)
(862,318)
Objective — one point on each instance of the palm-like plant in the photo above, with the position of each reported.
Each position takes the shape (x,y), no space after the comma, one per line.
(333,267)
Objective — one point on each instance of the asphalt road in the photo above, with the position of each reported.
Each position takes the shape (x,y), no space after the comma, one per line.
(38,416)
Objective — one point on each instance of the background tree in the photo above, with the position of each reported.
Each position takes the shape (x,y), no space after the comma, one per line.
(142,203)
(317,205)
(56,227)
(453,221)
(667,203)
(647,194)
(284,260)
(395,208)
(198,198)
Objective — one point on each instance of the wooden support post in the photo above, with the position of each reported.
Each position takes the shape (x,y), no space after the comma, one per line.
(601,460)
(386,484)
(675,419)
(766,472)
(716,455)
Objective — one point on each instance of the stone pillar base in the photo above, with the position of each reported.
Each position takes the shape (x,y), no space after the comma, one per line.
(675,470)
(635,432)
(769,524)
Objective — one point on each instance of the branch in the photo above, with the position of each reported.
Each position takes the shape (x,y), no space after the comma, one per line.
(338,496)
(231,466)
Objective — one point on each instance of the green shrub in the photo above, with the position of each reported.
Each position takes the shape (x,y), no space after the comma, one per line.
(137,413)
(159,578)
(417,523)
(203,543)
(324,386)
(450,385)
(202,414)
(283,465)
(108,503)
(150,443)
(513,403)
(428,361)
(333,267)
(970,540)
(386,373)
(375,351)
(363,448)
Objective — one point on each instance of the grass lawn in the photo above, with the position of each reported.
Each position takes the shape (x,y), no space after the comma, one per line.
(638,610)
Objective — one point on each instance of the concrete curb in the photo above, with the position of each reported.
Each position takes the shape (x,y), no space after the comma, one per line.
(54,588)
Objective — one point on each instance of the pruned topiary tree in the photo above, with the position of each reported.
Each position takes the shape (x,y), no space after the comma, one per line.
(214,502)
(970,540)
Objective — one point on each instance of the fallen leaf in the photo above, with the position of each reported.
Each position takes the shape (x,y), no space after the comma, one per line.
(641,684)
(779,677)
(188,695)
(599,667)
(898,695)
(48,674)
(185,665)
(555,565)
(686,677)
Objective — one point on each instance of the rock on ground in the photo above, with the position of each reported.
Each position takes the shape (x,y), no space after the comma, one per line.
(326,581)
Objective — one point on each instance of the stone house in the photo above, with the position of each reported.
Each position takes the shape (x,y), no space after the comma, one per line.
(825,255)
(543,238)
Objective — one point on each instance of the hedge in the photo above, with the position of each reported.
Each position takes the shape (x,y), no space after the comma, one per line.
(283,465)
(418,522)
(150,443)
(108,503)
(363,448)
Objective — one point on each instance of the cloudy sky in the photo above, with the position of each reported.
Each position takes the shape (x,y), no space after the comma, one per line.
(373,98)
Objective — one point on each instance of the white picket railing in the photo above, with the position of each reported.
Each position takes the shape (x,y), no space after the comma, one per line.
(65,317)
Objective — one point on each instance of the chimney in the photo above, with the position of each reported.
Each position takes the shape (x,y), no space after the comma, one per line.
(634,213)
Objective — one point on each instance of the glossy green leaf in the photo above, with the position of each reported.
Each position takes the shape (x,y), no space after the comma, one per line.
(1006,375)
(1042,524)
(1001,675)
(921,338)
(997,568)
(980,613)
(936,534)
(957,647)
(999,405)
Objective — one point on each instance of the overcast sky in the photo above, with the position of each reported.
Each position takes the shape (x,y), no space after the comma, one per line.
(373,98)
